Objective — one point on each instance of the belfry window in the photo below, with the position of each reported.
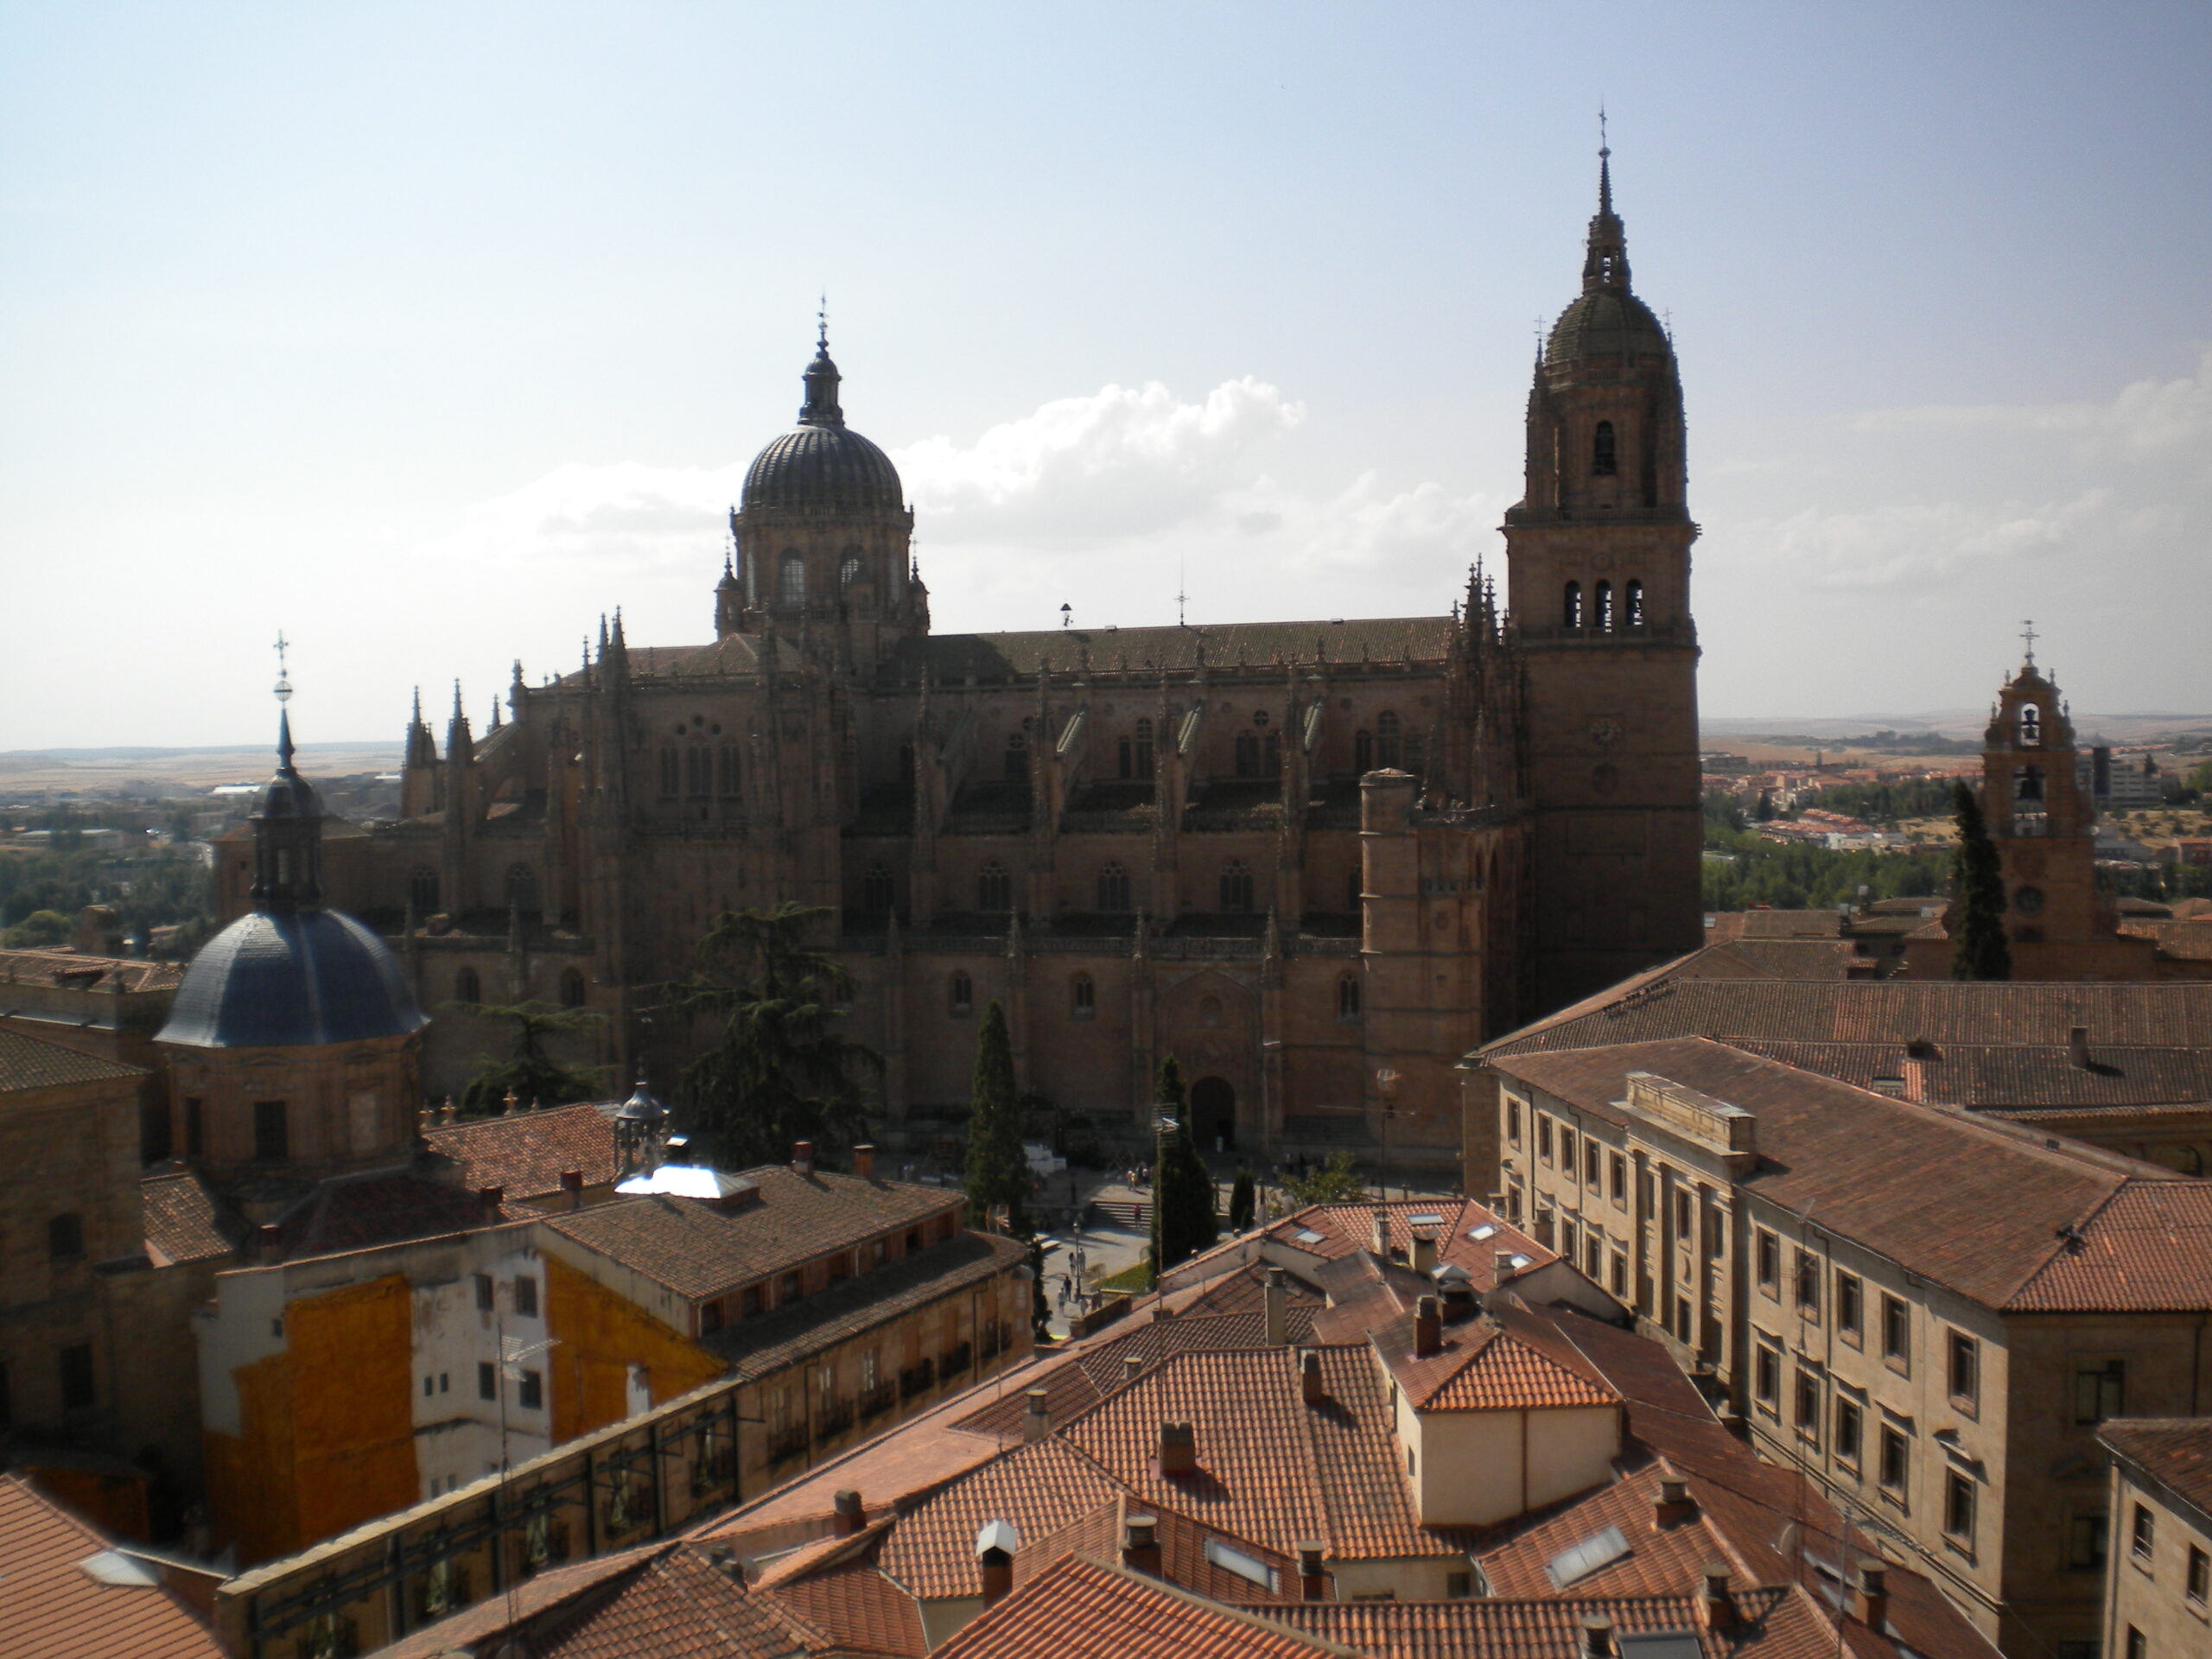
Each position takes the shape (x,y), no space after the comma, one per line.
(1083,997)
(2031,726)
(423,891)
(1603,462)
(1113,888)
(1348,998)
(792,589)
(848,572)
(1604,597)
(1635,604)
(1389,750)
(876,890)
(2028,785)
(1571,614)
(960,996)
(1235,886)
(993,891)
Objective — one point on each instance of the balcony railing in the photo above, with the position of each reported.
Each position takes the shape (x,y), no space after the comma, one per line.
(786,1444)
(880,1399)
(953,1361)
(917,1379)
(833,1419)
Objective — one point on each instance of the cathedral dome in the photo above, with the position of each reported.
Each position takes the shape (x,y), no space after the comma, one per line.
(296,979)
(1606,323)
(821,465)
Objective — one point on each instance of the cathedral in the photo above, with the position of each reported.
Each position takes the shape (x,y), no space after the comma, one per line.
(1317,862)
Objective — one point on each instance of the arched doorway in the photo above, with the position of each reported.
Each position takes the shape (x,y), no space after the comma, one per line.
(1213,1114)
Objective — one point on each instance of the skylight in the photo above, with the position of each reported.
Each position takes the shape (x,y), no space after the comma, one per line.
(1248,1567)
(1600,1549)
(1307,1235)
(1660,1645)
(1480,1233)
(1425,1220)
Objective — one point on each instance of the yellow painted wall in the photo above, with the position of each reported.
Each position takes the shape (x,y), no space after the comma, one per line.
(600,1336)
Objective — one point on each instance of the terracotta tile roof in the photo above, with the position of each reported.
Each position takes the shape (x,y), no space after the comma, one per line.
(998,657)
(2187,940)
(352,1212)
(1085,1608)
(1777,959)
(1185,1558)
(1482,1366)
(56,1610)
(2148,1250)
(676,1606)
(858,1609)
(34,1063)
(1553,1629)
(577,1582)
(182,1222)
(1344,1230)
(1975,1206)
(2009,1076)
(1038,1489)
(2175,1452)
(697,1250)
(525,1154)
(128,974)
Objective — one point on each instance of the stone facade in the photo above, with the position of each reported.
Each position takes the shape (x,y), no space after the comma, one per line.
(2159,1544)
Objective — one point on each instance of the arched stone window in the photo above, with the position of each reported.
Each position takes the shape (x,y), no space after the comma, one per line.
(1389,751)
(466,987)
(1605,608)
(671,772)
(792,589)
(422,890)
(878,893)
(1144,749)
(2027,784)
(1127,759)
(1604,460)
(1114,888)
(522,888)
(1348,998)
(848,572)
(960,996)
(2031,726)
(730,777)
(993,891)
(1083,997)
(1571,612)
(1017,757)
(1635,603)
(1363,752)
(1247,754)
(698,771)
(572,987)
(1235,886)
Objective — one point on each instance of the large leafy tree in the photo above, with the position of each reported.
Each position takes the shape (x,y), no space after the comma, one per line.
(1336,1181)
(530,1072)
(998,1171)
(1183,1218)
(780,1069)
(1981,950)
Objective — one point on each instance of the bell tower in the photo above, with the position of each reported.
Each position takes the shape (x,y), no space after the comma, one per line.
(2042,816)
(1597,555)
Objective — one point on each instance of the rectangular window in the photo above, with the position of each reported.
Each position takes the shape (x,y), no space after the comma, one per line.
(1808,1284)
(1770,1261)
(1767,1377)
(1620,1274)
(1684,1218)
(1895,1454)
(77,1390)
(530,1397)
(1566,1150)
(2142,1533)
(429,1386)
(870,1363)
(1620,1180)
(1958,1508)
(711,1317)
(272,1135)
(1849,1426)
(525,1296)
(488,1380)
(1592,1174)
(2099,1390)
(1847,1301)
(1543,1137)
(1595,1254)
(2137,1648)
(2200,1574)
(1513,1120)
(748,1300)
(2085,1540)
(1896,1331)
(65,1238)
(1808,1405)
(1570,1236)
(1965,1368)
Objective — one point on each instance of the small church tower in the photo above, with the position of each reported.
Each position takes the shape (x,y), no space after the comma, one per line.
(2042,817)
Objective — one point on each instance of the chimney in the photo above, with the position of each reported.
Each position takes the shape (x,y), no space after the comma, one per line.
(572,1183)
(1716,1608)
(1178,1449)
(1132,1367)
(1380,1243)
(1425,1250)
(1309,1378)
(1277,1298)
(803,1157)
(1428,1327)
(1675,1505)
(1502,1265)
(1873,1608)
(269,1237)
(490,1197)
(995,1544)
(1312,1581)
(1036,1416)
(1597,1637)
(851,1515)
(864,1162)
(2078,1045)
(1141,1544)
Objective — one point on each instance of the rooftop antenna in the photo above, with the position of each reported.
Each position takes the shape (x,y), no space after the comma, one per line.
(2028,639)
(822,324)
(1066,614)
(1181,598)
(284,687)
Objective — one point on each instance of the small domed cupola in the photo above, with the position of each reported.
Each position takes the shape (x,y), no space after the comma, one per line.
(822,466)
(821,407)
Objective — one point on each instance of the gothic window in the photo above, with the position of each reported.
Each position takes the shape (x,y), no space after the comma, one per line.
(1235,886)
(1083,997)
(731,780)
(1388,749)
(1603,462)
(1572,613)
(2028,786)
(2031,726)
(1636,604)
(1363,752)
(1017,757)
(1271,755)
(572,987)
(877,892)
(671,772)
(1248,755)
(1144,749)
(792,591)
(1348,998)
(1414,751)
(960,996)
(466,987)
(698,771)
(423,891)
(522,888)
(993,891)
(1113,888)
(1605,608)
(849,571)
(1127,764)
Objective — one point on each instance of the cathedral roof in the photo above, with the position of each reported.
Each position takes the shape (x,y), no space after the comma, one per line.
(821,465)
(1607,320)
(293,979)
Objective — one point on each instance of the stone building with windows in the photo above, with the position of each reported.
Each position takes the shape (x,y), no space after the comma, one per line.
(1928,1313)
(1317,861)
(2158,1554)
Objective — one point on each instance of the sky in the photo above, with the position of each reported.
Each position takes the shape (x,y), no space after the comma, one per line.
(428,333)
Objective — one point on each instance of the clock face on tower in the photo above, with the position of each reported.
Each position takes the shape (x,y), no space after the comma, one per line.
(1606,731)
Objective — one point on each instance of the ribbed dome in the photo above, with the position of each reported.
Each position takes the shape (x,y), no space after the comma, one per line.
(292,979)
(1606,323)
(821,465)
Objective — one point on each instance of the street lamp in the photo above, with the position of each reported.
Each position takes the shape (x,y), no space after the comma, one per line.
(1386,1085)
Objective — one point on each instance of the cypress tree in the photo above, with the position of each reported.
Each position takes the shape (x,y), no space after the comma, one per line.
(1243,1201)
(1183,1220)
(998,1174)
(1981,950)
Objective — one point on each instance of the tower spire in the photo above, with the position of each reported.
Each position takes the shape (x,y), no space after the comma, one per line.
(1606,266)
(1605,166)
(821,407)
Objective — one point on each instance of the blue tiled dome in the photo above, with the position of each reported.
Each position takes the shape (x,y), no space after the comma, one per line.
(295,979)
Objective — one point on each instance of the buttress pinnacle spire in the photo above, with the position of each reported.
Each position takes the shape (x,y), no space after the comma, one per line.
(1606,265)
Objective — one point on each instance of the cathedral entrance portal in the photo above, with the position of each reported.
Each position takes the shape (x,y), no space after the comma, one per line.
(1213,1113)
